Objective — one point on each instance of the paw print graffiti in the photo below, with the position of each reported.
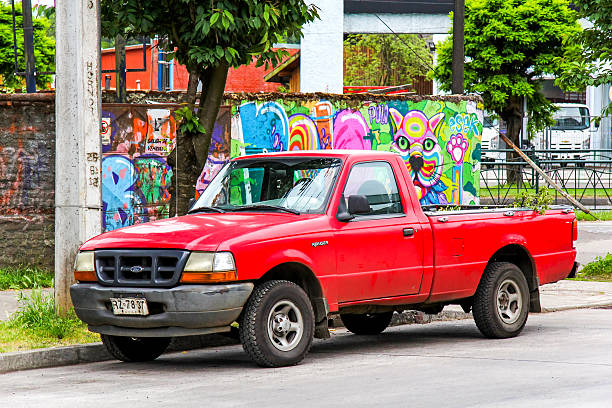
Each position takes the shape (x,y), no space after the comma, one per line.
(457,146)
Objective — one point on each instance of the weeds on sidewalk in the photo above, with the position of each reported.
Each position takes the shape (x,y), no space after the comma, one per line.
(24,277)
(599,270)
(36,325)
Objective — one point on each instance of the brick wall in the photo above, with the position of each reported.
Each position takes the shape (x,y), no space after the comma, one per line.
(27,179)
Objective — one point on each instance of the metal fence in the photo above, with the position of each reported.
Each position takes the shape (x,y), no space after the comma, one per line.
(586,175)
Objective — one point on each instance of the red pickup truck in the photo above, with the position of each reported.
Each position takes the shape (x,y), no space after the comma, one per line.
(278,242)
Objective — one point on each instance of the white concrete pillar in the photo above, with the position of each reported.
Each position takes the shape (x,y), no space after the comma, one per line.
(321,51)
(438,39)
(77,125)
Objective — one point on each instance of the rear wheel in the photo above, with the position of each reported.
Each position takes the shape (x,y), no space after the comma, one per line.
(501,302)
(135,349)
(277,325)
(367,323)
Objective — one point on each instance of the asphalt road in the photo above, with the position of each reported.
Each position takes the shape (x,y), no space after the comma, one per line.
(562,359)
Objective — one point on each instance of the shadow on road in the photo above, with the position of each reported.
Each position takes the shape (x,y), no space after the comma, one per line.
(407,340)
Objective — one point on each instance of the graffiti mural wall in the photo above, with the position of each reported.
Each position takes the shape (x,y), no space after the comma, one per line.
(136,140)
(439,140)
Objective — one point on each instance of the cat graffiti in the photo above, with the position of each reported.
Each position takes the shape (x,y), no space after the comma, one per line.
(415,140)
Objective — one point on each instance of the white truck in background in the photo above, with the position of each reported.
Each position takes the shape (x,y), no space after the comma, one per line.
(570,134)
(491,140)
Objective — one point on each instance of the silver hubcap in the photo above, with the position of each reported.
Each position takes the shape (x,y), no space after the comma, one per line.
(285,325)
(509,301)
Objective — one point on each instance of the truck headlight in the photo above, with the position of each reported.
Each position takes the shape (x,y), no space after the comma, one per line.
(85,267)
(209,267)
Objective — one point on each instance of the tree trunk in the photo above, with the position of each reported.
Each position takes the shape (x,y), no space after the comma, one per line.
(513,118)
(192,88)
(185,170)
(210,101)
(192,151)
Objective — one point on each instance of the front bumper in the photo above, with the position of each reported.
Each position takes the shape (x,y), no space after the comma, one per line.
(180,311)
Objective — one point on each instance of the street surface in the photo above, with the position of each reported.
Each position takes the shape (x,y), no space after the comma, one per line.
(594,239)
(562,359)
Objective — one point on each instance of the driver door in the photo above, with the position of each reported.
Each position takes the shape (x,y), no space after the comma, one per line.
(379,254)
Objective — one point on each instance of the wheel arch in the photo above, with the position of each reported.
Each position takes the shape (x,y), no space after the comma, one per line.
(305,278)
(519,256)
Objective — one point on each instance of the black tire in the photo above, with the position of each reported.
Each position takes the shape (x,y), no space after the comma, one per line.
(135,349)
(367,324)
(264,333)
(501,302)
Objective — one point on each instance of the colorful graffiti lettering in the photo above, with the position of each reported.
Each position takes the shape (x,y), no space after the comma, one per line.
(118,195)
(465,123)
(267,126)
(303,133)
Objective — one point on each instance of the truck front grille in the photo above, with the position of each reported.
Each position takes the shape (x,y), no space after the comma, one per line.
(140,267)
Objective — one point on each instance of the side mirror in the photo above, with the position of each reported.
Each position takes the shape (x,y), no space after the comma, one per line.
(192,202)
(358,204)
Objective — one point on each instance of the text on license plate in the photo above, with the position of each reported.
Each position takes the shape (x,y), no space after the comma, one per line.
(129,306)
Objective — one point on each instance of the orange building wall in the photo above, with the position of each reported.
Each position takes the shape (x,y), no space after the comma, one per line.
(243,79)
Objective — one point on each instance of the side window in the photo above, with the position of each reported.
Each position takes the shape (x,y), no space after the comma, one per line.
(376,181)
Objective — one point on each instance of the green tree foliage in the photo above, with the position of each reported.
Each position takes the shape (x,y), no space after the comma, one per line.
(44,47)
(209,37)
(509,46)
(588,61)
(384,59)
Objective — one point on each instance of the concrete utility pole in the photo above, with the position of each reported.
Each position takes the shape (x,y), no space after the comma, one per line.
(78,146)
(28,45)
(457,86)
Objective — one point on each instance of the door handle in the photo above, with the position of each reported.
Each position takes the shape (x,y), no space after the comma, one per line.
(408,232)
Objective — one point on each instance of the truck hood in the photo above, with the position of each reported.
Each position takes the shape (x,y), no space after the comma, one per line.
(198,232)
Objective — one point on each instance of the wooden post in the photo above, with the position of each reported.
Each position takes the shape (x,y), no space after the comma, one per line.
(28,44)
(120,75)
(457,85)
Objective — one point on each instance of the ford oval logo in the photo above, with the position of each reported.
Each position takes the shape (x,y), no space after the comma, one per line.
(136,269)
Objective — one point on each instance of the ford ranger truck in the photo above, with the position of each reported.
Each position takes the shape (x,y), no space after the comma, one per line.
(279,242)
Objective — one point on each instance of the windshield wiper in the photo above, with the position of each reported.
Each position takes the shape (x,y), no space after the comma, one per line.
(265,207)
(204,209)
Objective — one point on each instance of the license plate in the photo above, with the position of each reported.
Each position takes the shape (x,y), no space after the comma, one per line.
(129,306)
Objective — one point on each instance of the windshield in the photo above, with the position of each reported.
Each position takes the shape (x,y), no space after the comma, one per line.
(490,121)
(571,118)
(292,184)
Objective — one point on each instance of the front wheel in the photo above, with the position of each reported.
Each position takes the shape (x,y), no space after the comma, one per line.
(277,324)
(501,302)
(368,323)
(135,349)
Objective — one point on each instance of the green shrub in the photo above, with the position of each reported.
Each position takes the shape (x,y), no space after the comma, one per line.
(37,315)
(601,267)
(25,277)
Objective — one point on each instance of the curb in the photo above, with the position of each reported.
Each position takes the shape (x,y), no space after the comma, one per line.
(95,352)
(595,305)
